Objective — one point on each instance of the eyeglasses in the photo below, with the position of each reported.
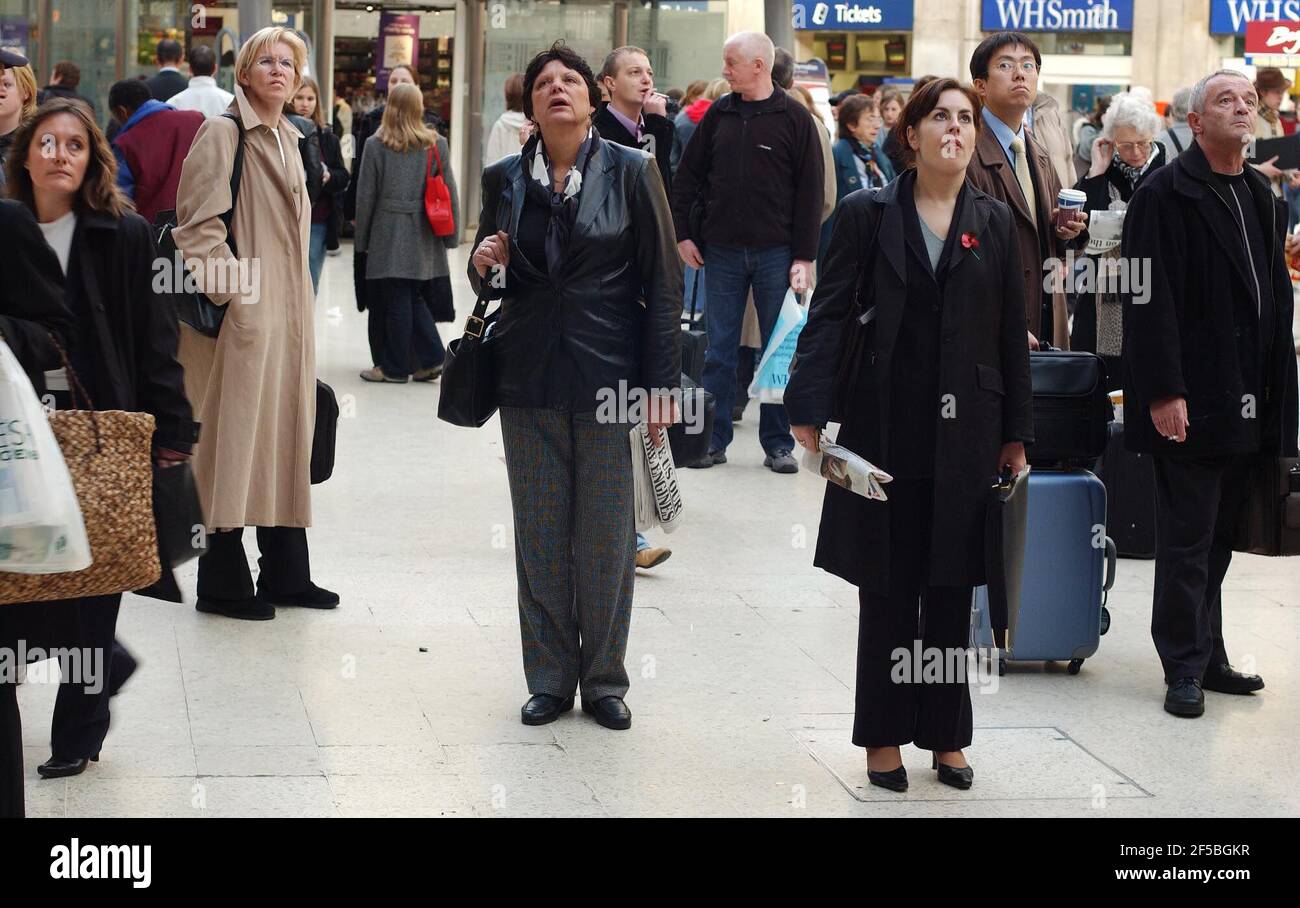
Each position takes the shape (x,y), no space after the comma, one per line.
(1006,67)
(1135,146)
(270,63)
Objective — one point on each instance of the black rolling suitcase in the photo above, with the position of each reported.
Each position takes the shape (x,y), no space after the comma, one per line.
(1131,495)
(695,340)
(689,439)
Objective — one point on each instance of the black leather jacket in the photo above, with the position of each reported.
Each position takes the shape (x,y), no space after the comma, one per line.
(611,312)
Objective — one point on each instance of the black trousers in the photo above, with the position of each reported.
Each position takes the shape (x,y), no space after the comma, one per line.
(1198,503)
(81,710)
(894,706)
(283,565)
(11,753)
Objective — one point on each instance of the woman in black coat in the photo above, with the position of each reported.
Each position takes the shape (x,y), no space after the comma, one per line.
(576,239)
(32,312)
(122,347)
(1123,157)
(939,398)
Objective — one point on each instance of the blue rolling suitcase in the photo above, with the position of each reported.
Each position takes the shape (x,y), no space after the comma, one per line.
(1069,566)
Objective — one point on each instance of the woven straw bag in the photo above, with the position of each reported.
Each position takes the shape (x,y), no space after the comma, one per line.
(108,455)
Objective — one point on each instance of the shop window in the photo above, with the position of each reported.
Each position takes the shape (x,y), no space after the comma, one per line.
(1104,44)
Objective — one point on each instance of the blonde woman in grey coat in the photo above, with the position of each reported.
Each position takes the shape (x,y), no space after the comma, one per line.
(403,255)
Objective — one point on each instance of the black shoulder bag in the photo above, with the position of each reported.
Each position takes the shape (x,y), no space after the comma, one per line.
(195,309)
(469,374)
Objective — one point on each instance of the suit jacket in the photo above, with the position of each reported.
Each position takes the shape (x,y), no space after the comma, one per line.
(661,128)
(992,174)
(983,362)
(162,85)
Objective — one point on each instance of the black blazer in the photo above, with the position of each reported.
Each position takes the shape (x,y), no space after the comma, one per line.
(1198,335)
(31,294)
(612,310)
(162,85)
(983,363)
(128,330)
(660,129)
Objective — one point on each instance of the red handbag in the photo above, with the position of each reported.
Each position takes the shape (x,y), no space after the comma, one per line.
(437,197)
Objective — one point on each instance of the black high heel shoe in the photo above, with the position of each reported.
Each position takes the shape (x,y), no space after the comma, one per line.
(950,775)
(894,779)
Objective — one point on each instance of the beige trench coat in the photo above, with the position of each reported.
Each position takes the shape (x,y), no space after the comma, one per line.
(253,387)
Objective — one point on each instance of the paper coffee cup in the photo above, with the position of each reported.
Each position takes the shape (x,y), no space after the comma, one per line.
(1069,201)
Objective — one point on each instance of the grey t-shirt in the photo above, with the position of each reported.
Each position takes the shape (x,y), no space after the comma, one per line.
(933,245)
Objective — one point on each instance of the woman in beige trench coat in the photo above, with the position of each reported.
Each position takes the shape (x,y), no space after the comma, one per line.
(253,386)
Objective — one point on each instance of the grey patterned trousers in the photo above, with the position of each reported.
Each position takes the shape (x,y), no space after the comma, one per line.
(575,548)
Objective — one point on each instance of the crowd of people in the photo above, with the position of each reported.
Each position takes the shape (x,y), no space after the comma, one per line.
(923,229)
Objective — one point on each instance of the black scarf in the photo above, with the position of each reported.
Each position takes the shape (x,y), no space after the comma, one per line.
(563,205)
(867,155)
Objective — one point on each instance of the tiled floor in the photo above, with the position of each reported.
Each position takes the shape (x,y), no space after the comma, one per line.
(404,701)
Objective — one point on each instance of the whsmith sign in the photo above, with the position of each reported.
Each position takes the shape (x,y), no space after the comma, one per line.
(852,15)
(1230,17)
(1058,15)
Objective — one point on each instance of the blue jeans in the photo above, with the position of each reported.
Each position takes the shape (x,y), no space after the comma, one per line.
(729,272)
(316,254)
(641,542)
(408,328)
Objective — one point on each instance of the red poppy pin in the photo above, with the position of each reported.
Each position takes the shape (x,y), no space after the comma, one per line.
(972,242)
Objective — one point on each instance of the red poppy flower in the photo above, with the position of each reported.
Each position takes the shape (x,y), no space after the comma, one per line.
(970,241)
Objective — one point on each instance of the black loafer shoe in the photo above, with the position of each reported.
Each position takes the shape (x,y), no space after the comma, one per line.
(894,780)
(610,712)
(56,768)
(1184,698)
(542,709)
(312,597)
(248,609)
(962,778)
(1224,679)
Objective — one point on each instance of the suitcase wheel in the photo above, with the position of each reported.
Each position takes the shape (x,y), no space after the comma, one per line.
(1105,619)
(1074,666)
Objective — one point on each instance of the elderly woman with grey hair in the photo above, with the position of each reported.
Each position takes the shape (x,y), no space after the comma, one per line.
(1123,156)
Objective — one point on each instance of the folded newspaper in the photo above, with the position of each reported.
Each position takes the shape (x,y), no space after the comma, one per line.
(844,468)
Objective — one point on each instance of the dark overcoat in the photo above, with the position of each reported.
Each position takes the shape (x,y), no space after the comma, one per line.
(983,363)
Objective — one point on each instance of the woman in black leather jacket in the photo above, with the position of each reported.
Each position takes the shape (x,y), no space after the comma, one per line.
(576,239)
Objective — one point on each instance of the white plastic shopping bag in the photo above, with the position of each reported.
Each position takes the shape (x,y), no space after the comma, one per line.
(773,370)
(658,502)
(41,530)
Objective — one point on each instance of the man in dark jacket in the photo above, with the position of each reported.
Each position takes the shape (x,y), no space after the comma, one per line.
(747,200)
(63,84)
(1210,373)
(1010,165)
(636,115)
(150,147)
(168,80)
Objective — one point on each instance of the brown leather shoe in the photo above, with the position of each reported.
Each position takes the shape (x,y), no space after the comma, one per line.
(648,558)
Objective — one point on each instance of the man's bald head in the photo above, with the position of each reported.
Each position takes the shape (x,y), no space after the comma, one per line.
(753,46)
(747,59)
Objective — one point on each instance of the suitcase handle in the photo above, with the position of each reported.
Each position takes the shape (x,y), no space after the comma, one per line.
(1111,556)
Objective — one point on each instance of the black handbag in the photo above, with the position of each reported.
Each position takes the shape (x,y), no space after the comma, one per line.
(195,309)
(178,516)
(1270,522)
(325,433)
(469,375)
(1072,408)
(690,442)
